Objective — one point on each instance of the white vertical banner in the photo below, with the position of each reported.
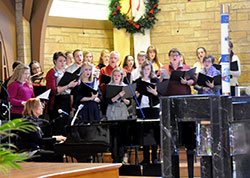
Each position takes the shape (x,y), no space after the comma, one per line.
(225,61)
(141,42)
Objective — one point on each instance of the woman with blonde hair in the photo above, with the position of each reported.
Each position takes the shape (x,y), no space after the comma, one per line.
(87,93)
(34,140)
(20,89)
(201,52)
(104,59)
(117,109)
(153,58)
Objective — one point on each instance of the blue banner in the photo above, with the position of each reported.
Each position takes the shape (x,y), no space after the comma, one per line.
(224,18)
(225,58)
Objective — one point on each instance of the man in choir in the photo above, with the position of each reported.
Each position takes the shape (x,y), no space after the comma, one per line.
(78,56)
(182,87)
(113,59)
(141,58)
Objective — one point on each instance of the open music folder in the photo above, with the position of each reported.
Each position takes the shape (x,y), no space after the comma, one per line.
(233,66)
(113,90)
(68,77)
(88,90)
(45,95)
(188,74)
(202,78)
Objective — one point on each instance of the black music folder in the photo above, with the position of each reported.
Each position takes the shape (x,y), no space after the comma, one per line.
(39,90)
(233,66)
(88,90)
(77,71)
(162,87)
(188,74)
(141,87)
(67,78)
(202,78)
(113,90)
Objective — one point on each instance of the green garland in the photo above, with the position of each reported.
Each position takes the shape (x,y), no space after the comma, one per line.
(146,21)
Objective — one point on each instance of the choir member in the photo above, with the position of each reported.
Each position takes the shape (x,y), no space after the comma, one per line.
(85,94)
(129,64)
(78,57)
(153,58)
(36,73)
(201,52)
(20,89)
(117,109)
(141,58)
(70,59)
(59,99)
(181,87)
(104,59)
(210,71)
(186,129)
(150,105)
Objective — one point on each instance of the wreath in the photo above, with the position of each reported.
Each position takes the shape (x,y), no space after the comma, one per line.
(146,21)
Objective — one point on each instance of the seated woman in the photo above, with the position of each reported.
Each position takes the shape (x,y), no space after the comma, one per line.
(210,71)
(32,141)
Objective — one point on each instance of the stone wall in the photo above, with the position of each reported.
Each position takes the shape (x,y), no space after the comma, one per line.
(68,39)
(188,25)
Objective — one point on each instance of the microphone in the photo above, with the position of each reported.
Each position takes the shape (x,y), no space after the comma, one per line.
(60,111)
(80,106)
(78,109)
(4,105)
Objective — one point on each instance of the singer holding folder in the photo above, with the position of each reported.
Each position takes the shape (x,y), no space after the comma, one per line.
(211,71)
(87,93)
(117,109)
(148,98)
(181,86)
(59,99)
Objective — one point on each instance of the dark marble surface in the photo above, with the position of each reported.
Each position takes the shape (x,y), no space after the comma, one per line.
(217,109)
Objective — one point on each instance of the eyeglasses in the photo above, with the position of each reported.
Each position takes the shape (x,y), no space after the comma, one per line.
(177,55)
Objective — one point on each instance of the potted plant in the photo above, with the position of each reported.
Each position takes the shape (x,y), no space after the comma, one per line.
(9,158)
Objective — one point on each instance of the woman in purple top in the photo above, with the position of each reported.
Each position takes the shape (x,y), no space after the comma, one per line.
(210,71)
(20,90)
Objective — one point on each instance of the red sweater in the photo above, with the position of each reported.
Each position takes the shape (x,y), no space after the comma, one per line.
(107,71)
(51,84)
(175,87)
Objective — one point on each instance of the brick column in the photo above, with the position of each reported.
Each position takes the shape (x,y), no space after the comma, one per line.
(19,30)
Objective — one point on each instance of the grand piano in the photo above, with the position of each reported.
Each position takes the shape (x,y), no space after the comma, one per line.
(86,139)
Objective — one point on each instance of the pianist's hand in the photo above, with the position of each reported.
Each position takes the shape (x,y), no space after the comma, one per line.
(59,138)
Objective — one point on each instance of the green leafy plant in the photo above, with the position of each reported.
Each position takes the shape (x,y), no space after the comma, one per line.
(9,158)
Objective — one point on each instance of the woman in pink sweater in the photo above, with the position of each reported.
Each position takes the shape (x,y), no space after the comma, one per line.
(20,90)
